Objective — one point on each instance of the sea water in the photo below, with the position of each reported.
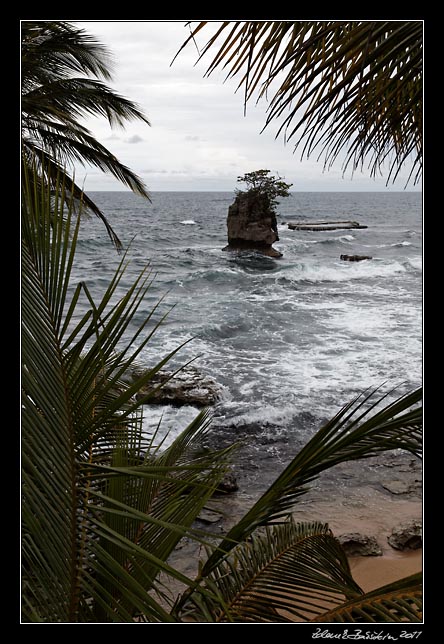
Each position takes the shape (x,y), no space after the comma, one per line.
(287,339)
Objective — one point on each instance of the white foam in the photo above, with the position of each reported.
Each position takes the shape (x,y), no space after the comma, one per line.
(344,271)
(173,420)
(416,262)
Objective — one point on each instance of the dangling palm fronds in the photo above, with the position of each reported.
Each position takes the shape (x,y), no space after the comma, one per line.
(54,99)
(352,90)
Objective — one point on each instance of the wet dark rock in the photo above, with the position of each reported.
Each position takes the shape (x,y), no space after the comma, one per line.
(252,225)
(228,485)
(324,225)
(355,258)
(406,536)
(209,516)
(187,387)
(355,543)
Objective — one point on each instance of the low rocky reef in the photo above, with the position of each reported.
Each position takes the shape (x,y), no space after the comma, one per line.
(324,225)
(189,386)
(354,258)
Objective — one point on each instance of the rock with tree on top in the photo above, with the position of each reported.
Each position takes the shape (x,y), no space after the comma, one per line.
(251,221)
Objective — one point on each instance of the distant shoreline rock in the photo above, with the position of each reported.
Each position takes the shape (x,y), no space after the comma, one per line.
(406,536)
(355,543)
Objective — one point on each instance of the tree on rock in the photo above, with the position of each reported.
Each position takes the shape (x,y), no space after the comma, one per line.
(269,187)
(251,221)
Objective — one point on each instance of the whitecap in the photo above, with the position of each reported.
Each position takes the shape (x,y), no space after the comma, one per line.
(188,222)
(344,271)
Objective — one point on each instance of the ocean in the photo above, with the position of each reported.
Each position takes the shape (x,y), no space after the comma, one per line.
(289,340)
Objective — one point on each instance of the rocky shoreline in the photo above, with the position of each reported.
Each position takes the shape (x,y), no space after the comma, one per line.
(373,506)
(346,496)
(264,451)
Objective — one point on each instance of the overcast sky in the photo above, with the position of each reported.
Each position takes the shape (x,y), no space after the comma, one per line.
(199,138)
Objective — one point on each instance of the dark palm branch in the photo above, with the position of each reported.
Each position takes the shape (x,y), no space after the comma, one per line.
(54,49)
(102,506)
(297,572)
(55,97)
(348,89)
(400,601)
(290,572)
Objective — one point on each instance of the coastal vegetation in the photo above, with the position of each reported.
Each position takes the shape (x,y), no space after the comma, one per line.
(103,504)
(264,185)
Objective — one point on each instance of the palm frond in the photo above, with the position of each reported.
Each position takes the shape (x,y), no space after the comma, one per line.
(54,98)
(398,602)
(49,172)
(103,507)
(49,510)
(358,431)
(92,98)
(54,49)
(290,572)
(352,88)
(139,508)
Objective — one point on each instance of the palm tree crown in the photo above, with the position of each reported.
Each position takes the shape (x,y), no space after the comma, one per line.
(61,70)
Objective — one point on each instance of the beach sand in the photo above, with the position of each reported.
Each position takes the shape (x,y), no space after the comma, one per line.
(373,572)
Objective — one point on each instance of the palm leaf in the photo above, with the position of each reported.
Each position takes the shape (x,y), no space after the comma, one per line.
(103,507)
(290,572)
(49,509)
(51,49)
(139,512)
(400,601)
(92,98)
(352,88)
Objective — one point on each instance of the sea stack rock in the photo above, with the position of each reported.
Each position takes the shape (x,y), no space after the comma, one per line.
(251,225)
